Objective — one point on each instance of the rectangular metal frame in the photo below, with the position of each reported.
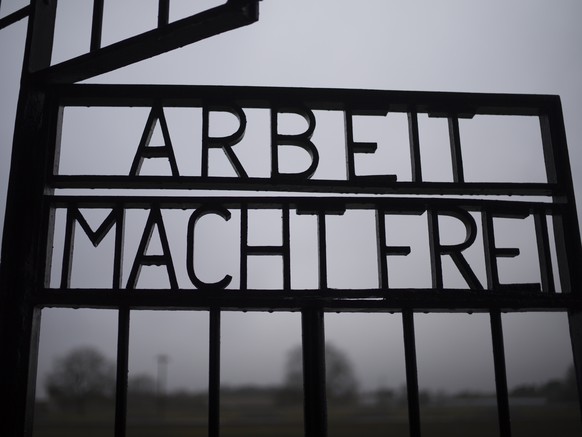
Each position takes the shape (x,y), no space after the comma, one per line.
(314,303)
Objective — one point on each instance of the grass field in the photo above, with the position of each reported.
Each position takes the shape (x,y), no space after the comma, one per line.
(260,417)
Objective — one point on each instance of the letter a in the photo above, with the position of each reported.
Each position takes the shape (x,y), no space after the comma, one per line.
(155,220)
(145,151)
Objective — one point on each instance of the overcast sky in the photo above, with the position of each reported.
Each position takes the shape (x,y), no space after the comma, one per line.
(522,46)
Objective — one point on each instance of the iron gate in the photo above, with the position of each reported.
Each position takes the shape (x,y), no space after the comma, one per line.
(38,192)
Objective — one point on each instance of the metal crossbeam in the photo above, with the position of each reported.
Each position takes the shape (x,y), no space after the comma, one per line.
(167,37)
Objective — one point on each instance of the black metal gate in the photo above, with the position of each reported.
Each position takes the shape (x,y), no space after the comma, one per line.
(38,191)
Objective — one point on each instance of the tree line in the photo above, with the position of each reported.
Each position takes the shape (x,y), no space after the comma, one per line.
(84,376)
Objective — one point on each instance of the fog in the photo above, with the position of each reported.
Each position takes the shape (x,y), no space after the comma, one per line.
(524,46)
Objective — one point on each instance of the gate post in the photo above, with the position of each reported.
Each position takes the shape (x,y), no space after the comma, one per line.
(26,230)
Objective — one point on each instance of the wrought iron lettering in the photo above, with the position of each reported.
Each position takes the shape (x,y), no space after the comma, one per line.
(197,208)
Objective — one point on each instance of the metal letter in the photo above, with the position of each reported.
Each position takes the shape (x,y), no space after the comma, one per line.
(454,250)
(141,259)
(302,140)
(197,215)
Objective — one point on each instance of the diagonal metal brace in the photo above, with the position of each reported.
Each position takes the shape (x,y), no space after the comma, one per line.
(232,15)
(14,17)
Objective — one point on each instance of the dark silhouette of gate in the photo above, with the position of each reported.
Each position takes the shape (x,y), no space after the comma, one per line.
(32,204)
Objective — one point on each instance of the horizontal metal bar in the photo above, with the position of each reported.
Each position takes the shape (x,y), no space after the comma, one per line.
(312,203)
(14,17)
(314,98)
(358,185)
(368,300)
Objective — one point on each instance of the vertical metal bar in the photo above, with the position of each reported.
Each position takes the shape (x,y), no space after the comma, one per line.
(50,227)
(349,133)
(214,375)
(69,242)
(434,242)
(414,139)
(549,149)
(39,43)
(575,323)
(286,248)
(96,25)
(163,13)
(544,255)
(313,340)
(118,253)
(205,142)
(322,250)
(500,374)
(244,244)
(456,155)
(411,373)
(55,114)
(566,226)
(22,271)
(489,248)
(566,229)
(566,269)
(381,242)
(122,366)
(31,386)
(274,112)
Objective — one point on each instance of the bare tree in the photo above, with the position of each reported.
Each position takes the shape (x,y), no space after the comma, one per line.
(340,377)
(341,382)
(84,374)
